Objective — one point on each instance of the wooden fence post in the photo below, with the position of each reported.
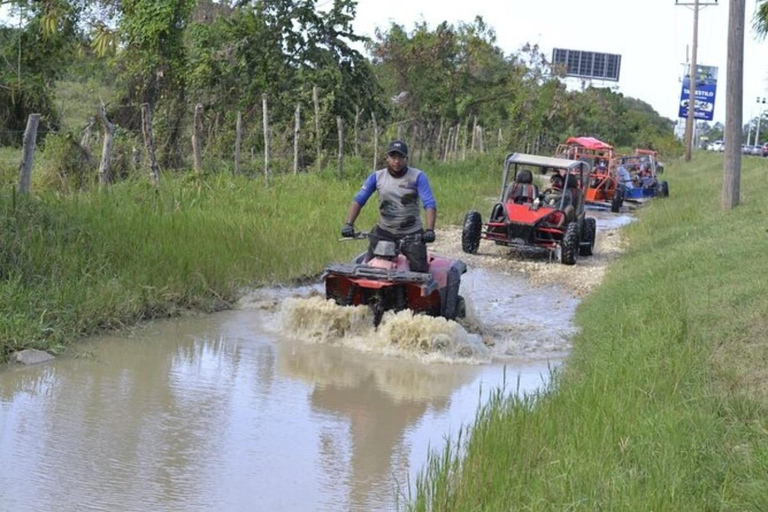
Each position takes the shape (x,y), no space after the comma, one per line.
(238,140)
(357,122)
(448,144)
(464,144)
(500,138)
(28,153)
(375,141)
(399,131)
(146,129)
(266,135)
(456,138)
(439,143)
(196,150)
(296,133)
(318,141)
(340,127)
(85,140)
(106,152)
(414,142)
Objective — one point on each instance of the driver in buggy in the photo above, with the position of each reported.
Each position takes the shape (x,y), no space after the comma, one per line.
(554,194)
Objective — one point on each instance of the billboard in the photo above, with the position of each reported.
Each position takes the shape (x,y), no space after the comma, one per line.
(706,89)
(600,66)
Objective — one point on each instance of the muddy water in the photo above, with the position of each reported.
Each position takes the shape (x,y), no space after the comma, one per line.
(263,409)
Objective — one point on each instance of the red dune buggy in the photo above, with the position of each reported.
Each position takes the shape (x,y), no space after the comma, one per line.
(554,221)
(386,282)
(600,190)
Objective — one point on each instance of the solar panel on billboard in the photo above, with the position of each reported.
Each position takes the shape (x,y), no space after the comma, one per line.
(601,66)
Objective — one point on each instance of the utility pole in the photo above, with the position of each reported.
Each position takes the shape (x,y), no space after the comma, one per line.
(697,6)
(734,105)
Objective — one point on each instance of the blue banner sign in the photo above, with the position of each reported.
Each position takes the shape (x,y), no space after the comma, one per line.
(706,89)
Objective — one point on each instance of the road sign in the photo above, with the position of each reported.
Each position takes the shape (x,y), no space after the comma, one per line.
(706,89)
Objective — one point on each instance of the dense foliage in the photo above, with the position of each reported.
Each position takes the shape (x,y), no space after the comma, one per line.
(433,85)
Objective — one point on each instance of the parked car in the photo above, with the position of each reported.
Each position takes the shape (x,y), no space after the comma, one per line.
(756,151)
(717,145)
(765,149)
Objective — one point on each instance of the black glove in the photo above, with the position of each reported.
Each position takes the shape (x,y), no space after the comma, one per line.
(429,236)
(348,231)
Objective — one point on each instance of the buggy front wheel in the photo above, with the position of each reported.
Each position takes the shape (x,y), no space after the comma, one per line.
(471,232)
(570,244)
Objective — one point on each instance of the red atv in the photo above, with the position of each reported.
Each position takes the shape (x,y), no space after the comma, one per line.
(385,283)
(523,217)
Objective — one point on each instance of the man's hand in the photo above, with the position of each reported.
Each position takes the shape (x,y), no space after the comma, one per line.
(348,231)
(429,236)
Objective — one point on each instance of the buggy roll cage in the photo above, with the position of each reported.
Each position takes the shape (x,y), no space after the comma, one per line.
(578,168)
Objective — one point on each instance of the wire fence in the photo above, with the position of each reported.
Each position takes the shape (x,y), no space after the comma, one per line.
(346,149)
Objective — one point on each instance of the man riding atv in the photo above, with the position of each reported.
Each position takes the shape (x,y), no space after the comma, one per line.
(399,188)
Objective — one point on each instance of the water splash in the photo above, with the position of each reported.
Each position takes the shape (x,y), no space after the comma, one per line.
(401,334)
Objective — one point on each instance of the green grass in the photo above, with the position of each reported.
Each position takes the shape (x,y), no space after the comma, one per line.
(662,405)
(76,264)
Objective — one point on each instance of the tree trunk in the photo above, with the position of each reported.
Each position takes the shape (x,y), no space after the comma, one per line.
(474,134)
(106,152)
(375,141)
(146,129)
(28,153)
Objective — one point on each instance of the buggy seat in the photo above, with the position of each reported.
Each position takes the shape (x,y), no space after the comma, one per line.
(522,190)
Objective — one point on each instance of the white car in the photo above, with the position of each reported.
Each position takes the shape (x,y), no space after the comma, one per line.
(718,146)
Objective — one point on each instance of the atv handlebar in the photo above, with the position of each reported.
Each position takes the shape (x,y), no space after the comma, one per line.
(359,235)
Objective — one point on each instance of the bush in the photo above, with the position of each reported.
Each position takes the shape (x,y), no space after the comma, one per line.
(65,164)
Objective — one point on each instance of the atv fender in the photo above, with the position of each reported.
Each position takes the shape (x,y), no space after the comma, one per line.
(449,295)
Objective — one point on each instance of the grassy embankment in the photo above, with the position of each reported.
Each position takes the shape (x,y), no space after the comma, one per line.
(662,405)
(72,265)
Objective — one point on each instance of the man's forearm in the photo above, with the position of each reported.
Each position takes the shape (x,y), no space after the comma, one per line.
(354,211)
(431,216)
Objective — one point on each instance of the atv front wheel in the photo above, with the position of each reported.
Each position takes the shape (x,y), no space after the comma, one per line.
(461,307)
(664,189)
(377,305)
(587,245)
(470,234)
(570,244)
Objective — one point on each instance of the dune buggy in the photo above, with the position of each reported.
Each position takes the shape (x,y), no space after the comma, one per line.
(601,186)
(638,181)
(554,221)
